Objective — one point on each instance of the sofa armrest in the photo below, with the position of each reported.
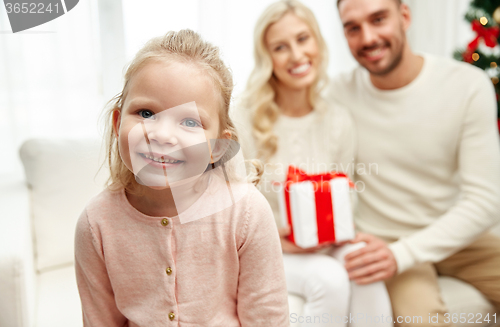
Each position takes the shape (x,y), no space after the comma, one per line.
(17,274)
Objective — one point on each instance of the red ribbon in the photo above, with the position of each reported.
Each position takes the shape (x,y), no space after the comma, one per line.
(296,175)
(323,200)
(488,34)
(324,211)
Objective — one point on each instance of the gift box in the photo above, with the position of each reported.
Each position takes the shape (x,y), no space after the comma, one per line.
(317,207)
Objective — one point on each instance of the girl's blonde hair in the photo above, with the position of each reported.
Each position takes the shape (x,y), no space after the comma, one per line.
(184,46)
(259,96)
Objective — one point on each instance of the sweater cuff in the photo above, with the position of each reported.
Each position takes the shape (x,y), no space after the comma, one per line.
(403,256)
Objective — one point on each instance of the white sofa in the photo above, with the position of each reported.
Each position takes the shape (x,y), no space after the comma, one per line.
(37,281)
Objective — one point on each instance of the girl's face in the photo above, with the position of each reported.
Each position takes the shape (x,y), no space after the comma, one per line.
(169,115)
(294,52)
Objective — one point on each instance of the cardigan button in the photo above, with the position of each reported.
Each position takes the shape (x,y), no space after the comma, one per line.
(171,316)
(169,271)
(164,221)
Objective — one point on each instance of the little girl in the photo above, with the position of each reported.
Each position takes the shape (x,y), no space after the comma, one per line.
(138,262)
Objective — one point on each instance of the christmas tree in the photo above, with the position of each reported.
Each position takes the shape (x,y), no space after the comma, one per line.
(484,50)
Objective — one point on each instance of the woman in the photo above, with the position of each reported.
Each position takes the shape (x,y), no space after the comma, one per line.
(283,120)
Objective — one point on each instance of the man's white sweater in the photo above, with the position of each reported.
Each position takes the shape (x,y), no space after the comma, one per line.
(428,156)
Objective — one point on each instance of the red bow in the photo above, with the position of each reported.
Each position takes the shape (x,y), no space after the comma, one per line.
(296,175)
(488,34)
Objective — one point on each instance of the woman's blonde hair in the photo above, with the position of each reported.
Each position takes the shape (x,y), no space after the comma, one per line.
(260,94)
(184,46)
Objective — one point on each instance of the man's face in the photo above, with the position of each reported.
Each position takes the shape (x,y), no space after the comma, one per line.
(375,32)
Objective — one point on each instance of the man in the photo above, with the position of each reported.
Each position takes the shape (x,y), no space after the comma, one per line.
(428,125)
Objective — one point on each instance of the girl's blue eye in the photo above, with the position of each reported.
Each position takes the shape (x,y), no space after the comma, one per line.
(191,123)
(146,114)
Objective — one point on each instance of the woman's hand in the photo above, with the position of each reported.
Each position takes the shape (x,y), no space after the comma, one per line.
(289,247)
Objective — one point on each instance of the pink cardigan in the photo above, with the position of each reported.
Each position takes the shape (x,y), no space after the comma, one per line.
(224,270)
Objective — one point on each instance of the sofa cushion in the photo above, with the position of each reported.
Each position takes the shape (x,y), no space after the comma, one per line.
(462,298)
(58,302)
(62,176)
(17,274)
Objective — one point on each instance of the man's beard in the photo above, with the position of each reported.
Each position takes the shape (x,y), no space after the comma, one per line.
(392,65)
(394,62)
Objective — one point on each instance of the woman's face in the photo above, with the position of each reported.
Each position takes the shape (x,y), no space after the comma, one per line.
(294,52)
(169,114)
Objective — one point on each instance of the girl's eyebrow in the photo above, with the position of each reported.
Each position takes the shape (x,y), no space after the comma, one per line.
(142,102)
(204,116)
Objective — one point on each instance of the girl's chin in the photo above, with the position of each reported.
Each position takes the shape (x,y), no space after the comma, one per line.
(159,188)
(159,182)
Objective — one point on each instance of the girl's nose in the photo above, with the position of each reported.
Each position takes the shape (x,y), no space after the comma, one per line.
(162,133)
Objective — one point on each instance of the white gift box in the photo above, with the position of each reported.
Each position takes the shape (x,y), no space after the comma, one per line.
(313,220)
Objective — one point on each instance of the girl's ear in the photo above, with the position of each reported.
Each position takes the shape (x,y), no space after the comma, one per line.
(116,122)
(221,146)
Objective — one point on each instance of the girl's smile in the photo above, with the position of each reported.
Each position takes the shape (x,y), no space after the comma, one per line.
(160,161)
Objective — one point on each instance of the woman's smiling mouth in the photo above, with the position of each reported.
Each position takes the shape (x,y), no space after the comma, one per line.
(301,69)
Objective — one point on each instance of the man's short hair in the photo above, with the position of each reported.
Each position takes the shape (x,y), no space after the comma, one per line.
(398,1)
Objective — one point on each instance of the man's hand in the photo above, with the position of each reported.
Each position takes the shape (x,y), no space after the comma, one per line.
(373,263)
(289,247)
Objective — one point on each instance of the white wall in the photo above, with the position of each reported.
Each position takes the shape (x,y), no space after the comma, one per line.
(50,81)
(439,26)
